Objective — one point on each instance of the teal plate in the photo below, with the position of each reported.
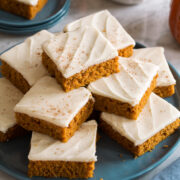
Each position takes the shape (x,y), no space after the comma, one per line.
(110,166)
(34,29)
(52,10)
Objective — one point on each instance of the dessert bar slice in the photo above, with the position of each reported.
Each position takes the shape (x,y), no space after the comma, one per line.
(25,8)
(79,57)
(111,29)
(47,109)
(125,93)
(9,97)
(157,121)
(22,64)
(74,159)
(165,81)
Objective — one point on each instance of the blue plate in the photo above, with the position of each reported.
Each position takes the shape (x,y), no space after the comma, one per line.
(53,9)
(110,166)
(33,29)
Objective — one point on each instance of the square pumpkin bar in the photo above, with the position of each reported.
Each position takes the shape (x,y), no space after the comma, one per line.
(165,81)
(25,8)
(79,57)
(47,109)
(22,64)
(9,97)
(158,120)
(125,93)
(110,28)
(74,159)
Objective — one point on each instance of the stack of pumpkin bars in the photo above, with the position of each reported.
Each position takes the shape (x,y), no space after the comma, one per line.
(52,83)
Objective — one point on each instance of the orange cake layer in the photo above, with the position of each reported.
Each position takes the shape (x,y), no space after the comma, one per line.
(106,104)
(147,145)
(165,91)
(63,134)
(85,76)
(21,9)
(15,77)
(126,52)
(12,133)
(61,169)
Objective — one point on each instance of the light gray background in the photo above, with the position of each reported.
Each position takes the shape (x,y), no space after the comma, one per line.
(146,22)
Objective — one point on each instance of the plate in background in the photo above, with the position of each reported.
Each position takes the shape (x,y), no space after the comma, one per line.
(110,164)
(52,9)
(33,29)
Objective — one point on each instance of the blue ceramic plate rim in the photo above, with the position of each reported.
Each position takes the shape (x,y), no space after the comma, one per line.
(29,23)
(35,28)
(20,176)
(49,23)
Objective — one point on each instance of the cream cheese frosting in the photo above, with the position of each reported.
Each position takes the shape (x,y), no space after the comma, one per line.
(80,148)
(156,56)
(129,85)
(9,97)
(156,115)
(25,58)
(29,2)
(75,51)
(47,101)
(108,25)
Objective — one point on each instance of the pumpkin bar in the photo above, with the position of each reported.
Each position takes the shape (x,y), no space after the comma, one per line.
(74,159)
(165,81)
(110,28)
(157,121)
(9,97)
(79,57)
(22,64)
(47,109)
(24,8)
(125,93)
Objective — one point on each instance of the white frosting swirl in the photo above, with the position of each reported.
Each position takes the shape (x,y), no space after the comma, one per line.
(156,115)
(129,85)
(25,58)
(9,97)
(108,25)
(47,100)
(29,2)
(75,51)
(156,56)
(80,148)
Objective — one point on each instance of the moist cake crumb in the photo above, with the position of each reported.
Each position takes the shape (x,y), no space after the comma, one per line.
(165,146)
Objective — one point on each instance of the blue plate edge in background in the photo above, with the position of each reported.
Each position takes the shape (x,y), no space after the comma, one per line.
(32,30)
(64,11)
(30,23)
